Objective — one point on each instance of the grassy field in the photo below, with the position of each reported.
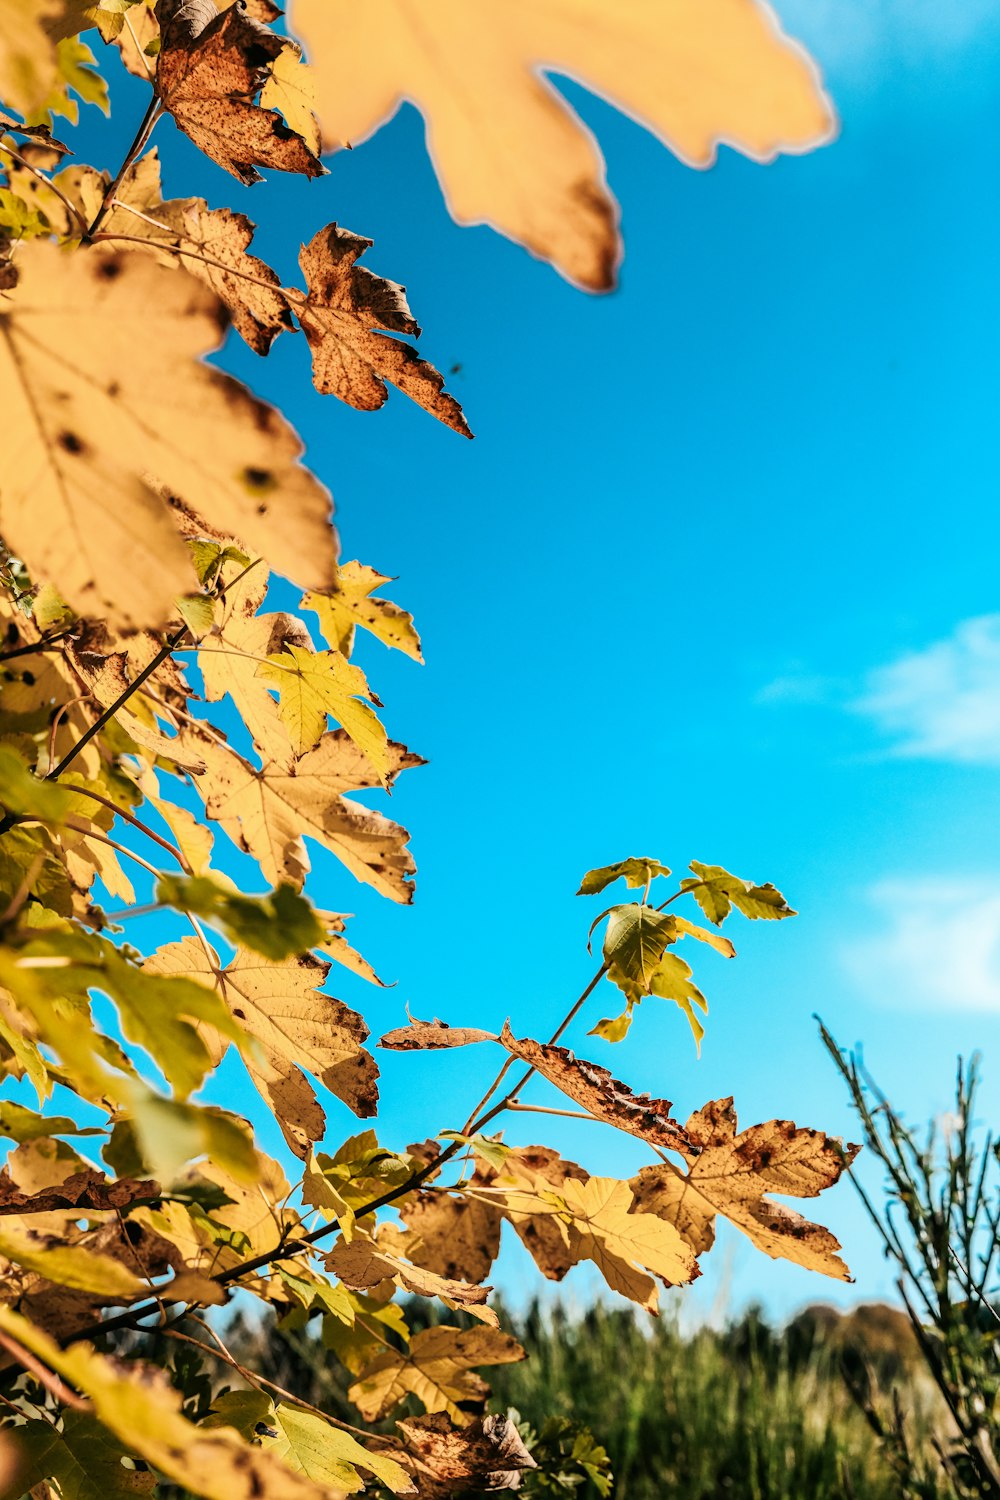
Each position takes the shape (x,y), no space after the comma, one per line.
(746,1412)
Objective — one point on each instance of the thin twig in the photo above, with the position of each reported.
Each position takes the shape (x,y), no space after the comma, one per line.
(48,643)
(153,111)
(137,823)
(46,1377)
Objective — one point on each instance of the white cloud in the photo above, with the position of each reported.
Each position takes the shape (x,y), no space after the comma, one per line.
(939,947)
(942,703)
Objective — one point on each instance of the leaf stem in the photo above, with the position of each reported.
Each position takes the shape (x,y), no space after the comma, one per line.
(129,817)
(47,643)
(154,109)
(151,666)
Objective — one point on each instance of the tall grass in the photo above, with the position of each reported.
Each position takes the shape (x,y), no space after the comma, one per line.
(744,1412)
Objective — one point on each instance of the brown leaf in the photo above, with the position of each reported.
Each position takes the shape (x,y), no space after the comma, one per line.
(210,70)
(88,1189)
(345,317)
(599,1093)
(366,1262)
(539,1233)
(459,1236)
(437,1369)
(433,1035)
(486,1456)
(731,1174)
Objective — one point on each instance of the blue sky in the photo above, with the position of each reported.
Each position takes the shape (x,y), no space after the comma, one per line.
(716,580)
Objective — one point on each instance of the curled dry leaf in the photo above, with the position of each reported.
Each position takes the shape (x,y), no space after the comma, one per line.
(210,70)
(730,1176)
(696,73)
(432,1035)
(110,416)
(346,316)
(88,1189)
(600,1094)
(487,1455)
(457,1234)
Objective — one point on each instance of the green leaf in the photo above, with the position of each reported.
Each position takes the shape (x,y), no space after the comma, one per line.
(20,1124)
(198,613)
(634,941)
(69,1265)
(328,1455)
(492,1151)
(210,557)
(313,684)
(83,1457)
(18,219)
(635,872)
(670,980)
(716,892)
(277,925)
(25,795)
(615,1028)
(167,1134)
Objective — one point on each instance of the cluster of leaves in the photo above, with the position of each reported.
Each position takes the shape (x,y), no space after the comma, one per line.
(145,499)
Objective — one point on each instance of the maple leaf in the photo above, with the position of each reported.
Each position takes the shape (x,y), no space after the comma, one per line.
(291,87)
(696,73)
(71,1266)
(345,318)
(602,1095)
(296,1026)
(267,812)
(437,1369)
(351,604)
(731,1175)
(314,684)
(636,873)
(541,1233)
(210,69)
(601,1225)
(717,892)
(669,980)
(92,346)
(433,1035)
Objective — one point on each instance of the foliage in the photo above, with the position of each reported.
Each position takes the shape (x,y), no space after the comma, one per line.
(940,1225)
(153,700)
(742,1410)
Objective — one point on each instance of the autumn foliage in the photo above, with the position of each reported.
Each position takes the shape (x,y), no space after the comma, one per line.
(146,499)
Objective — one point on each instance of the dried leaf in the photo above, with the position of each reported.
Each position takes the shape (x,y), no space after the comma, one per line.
(696,73)
(95,343)
(366,1262)
(599,1093)
(485,1456)
(345,318)
(210,70)
(432,1035)
(731,1175)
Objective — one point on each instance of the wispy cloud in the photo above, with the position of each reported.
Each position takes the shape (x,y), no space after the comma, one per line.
(938,947)
(941,703)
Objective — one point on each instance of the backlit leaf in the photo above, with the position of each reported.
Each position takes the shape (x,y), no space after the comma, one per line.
(351,604)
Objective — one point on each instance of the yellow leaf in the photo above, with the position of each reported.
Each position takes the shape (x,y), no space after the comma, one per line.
(296,1027)
(291,87)
(730,1173)
(351,604)
(618,1241)
(696,73)
(139,1405)
(314,684)
(365,1262)
(69,1265)
(437,1370)
(268,812)
(112,418)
